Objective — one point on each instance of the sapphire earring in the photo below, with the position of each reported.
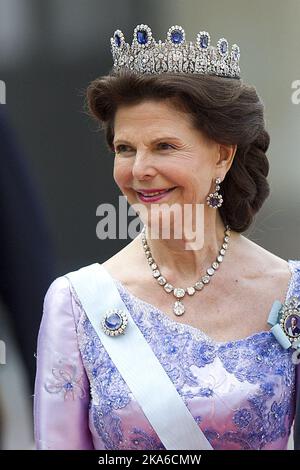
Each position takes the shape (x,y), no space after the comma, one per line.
(215,199)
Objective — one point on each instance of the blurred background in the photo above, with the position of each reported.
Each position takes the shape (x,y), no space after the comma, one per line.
(55,169)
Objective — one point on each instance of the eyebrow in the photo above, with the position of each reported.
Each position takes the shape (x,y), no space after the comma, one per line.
(158,139)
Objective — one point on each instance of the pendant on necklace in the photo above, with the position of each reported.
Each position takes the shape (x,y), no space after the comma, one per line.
(178,308)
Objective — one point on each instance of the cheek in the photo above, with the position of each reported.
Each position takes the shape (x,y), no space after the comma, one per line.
(188,177)
(194,181)
(121,172)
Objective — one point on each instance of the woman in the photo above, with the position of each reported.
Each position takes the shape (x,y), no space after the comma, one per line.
(186,128)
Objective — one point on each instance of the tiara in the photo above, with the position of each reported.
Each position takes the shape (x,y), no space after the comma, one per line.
(175,55)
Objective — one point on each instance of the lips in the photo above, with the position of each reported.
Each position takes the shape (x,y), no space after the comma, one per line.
(153,195)
(153,192)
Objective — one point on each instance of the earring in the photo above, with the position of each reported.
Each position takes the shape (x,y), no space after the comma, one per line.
(215,199)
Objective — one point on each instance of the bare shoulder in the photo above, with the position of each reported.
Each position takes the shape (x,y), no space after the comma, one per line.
(253,279)
(261,259)
(269,270)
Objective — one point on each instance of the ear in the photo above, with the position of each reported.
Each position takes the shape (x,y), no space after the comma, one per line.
(226,155)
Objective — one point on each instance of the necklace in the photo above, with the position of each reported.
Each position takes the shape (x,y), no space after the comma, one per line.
(180,292)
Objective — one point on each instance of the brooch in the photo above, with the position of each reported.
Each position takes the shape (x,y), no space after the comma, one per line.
(114,322)
(285,322)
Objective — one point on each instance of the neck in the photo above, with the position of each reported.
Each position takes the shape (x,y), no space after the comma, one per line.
(179,264)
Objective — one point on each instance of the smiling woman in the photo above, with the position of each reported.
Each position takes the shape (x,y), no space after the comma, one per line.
(216,110)
(186,166)
(122,361)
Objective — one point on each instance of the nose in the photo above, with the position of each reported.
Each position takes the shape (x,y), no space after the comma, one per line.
(143,167)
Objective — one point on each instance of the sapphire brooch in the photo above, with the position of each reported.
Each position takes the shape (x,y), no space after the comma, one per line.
(114,322)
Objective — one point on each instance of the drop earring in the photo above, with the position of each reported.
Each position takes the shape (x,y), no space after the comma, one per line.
(215,199)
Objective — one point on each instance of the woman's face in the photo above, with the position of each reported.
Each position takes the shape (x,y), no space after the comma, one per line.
(156,148)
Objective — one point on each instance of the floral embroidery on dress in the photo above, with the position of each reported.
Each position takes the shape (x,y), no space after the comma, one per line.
(108,426)
(256,357)
(66,381)
(139,439)
(240,392)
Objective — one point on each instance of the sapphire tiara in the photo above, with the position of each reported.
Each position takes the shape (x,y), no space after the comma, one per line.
(175,55)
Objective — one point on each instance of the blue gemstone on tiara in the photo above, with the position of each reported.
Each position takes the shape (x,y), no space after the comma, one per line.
(235,51)
(222,46)
(176,37)
(117,40)
(204,40)
(142,37)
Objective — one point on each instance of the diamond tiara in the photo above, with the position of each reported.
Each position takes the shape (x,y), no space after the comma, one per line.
(175,55)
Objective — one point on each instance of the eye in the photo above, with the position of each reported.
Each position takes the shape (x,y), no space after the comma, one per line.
(165,145)
(121,148)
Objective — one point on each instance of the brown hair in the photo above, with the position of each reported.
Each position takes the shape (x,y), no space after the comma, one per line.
(226,110)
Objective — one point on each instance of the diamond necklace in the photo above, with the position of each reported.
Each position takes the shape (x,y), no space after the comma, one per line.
(179,292)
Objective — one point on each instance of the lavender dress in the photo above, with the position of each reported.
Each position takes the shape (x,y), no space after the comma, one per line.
(242,393)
